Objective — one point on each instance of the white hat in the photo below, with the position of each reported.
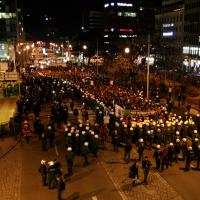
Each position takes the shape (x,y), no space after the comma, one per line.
(184,139)
(68,124)
(43,162)
(96,136)
(131,129)
(49,127)
(125,126)
(148,132)
(189,148)
(198,115)
(158,146)
(86,144)
(83,132)
(87,128)
(171,144)
(195,131)
(69,149)
(25,122)
(177,140)
(51,163)
(69,134)
(196,139)
(80,125)
(141,140)
(177,132)
(92,132)
(77,134)
(66,129)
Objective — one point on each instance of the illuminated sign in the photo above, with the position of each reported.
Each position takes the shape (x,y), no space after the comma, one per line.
(167,25)
(127,36)
(191,50)
(7,15)
(125,4)
(125,30)
(126,14)
(168,34)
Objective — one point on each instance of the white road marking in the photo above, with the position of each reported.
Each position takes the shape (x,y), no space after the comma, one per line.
(56,150)
(117,186)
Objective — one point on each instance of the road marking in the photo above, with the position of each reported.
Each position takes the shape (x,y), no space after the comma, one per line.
(117,186)
(94,198)
(56,150)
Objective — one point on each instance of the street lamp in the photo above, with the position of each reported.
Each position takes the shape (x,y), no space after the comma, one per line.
(127,50)
(84,49)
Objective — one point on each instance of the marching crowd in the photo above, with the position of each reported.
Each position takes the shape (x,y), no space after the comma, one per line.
(164,130)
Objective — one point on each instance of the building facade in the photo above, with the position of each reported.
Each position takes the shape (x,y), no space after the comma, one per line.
(191,48)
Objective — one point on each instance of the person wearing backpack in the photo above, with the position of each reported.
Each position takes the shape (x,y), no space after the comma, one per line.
(146,164)
(60,186)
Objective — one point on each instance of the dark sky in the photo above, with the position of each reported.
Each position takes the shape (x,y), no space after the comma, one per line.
(65,14)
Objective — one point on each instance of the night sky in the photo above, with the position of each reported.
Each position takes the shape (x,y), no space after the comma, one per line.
(66,16)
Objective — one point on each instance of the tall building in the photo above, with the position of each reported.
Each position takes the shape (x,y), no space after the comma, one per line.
(120,24)
(170,22)
(11,29)
(191,48)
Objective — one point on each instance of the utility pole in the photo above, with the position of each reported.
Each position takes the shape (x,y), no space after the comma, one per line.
(148,55)
(97,54)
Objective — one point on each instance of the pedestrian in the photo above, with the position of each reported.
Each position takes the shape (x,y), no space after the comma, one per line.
(69,157)
(60,186)
(188,158)
(134,172)
(198,157)
(44,141)
(51,173)
(43,172)
(127,151)
(85,152)
(115,141)
(140,148)
(146,164)
(157,156)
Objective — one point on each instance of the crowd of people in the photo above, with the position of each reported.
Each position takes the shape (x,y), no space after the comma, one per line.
(172,135)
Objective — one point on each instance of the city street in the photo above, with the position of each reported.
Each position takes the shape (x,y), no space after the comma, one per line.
(105,177)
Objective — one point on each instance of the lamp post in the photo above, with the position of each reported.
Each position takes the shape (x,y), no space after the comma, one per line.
(148,53)
(84,49)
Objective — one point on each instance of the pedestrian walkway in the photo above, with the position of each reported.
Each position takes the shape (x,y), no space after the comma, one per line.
(118,170)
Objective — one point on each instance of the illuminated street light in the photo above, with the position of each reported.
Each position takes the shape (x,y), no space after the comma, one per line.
(127,50)
(84,47)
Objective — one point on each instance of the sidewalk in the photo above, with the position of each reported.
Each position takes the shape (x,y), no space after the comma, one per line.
(118,171)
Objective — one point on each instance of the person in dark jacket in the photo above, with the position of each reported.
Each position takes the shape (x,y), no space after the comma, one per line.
(43,171)
(127,151)
(69,157)
(134,172)
(146,164)
(60,186)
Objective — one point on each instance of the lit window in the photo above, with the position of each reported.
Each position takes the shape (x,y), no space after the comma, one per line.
(167,34)
(127,14)
(7,15)
(125,4)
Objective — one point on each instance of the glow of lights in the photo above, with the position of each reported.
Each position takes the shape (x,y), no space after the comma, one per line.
(167,34)
(112,4)
(84,47)
(27,47)
(127,50)
(105,36)
(112,29)
(125,4)
(125,30)
(167,25)
(106,5)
